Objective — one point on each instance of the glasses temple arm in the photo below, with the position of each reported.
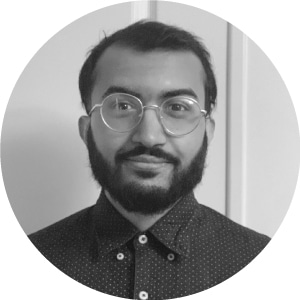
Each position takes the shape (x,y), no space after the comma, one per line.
(93,108)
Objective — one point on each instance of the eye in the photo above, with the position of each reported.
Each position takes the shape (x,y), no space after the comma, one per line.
(123,106)
(177,107)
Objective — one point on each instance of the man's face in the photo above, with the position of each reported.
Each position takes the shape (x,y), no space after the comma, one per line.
(147,162)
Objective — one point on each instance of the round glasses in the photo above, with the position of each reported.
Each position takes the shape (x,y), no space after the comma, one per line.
(123,112)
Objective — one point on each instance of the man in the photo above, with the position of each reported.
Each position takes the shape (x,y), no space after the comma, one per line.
(149,91)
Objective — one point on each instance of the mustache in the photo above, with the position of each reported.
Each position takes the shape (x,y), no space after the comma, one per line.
(154,151)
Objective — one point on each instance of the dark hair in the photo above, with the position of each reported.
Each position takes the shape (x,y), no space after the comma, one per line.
(146,36)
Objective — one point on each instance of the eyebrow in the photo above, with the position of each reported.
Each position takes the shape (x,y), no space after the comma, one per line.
(120,89)
(163,95)
(179,92)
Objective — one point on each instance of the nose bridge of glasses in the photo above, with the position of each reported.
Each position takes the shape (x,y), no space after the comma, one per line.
(148,118)
(152,106)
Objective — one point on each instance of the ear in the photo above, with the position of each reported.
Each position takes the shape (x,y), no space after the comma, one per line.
(210,129)
(83,125)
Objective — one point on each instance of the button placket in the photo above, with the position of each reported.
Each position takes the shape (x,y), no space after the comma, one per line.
(142,275)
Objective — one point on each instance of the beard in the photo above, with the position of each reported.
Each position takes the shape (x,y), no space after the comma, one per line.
(136,197)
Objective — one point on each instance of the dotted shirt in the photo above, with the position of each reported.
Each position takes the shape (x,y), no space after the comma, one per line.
(190,249)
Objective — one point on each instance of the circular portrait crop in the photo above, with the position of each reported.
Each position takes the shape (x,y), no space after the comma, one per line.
(148,156)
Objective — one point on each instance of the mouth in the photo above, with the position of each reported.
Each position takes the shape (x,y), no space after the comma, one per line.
(146,162)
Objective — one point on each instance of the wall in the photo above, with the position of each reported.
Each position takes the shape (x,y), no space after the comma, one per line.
(263,138)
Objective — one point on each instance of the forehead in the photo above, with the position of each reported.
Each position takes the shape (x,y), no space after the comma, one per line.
(148,73)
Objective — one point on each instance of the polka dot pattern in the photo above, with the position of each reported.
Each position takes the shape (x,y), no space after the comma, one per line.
(190,249)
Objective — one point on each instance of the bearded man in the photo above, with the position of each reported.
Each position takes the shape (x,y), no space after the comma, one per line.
(149,91)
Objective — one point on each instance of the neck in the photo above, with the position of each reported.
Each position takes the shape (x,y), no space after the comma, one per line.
(140,221)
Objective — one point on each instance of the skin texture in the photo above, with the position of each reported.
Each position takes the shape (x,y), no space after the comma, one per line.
(151,76)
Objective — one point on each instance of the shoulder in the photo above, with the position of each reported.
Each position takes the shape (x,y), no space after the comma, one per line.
(68,233)
(224,246)
(228,235)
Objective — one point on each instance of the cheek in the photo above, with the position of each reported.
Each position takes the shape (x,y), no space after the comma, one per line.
(107,141)
(188,146)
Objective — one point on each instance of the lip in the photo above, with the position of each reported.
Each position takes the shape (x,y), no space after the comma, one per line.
(146,162)
(144,158)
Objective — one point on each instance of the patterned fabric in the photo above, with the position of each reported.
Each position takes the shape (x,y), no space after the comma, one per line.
(190,249)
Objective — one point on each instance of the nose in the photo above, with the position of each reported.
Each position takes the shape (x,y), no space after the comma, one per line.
(149,132)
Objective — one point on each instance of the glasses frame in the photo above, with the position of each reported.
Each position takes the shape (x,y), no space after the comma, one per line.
(153,106)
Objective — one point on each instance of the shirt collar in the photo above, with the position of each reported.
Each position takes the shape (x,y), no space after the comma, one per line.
(174,229)
(111,230)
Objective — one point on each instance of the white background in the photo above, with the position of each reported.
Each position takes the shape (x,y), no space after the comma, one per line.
(25,27)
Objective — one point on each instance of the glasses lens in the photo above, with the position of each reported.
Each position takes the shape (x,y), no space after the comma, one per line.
(180,115)
(121,112)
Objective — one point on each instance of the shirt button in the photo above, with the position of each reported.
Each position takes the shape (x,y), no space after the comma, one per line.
(143,239)
(120,256)
(171,256)
(143,295)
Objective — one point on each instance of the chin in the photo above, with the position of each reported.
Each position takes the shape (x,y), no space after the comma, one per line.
(143,197)
(147,183)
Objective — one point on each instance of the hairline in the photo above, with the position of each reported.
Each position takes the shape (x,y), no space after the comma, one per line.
(124,45)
